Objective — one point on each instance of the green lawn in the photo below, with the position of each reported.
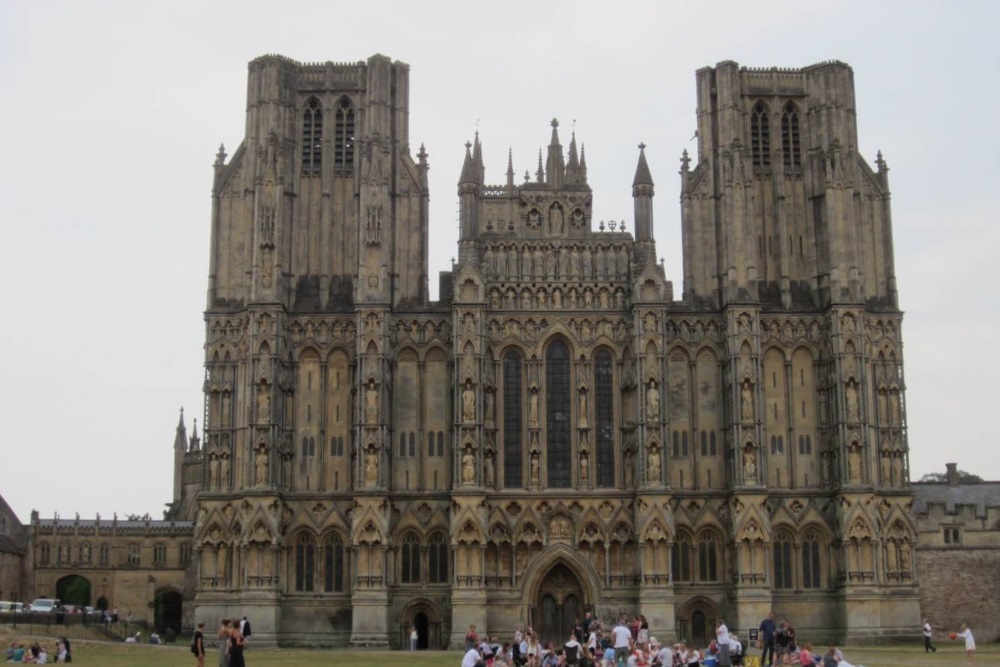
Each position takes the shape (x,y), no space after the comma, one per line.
(950,654)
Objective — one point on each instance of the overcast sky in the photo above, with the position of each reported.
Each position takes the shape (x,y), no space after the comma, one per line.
(112,114)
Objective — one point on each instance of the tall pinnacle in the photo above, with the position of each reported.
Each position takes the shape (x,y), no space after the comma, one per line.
(510,167)
(468,167)
(555,165)
(642,175)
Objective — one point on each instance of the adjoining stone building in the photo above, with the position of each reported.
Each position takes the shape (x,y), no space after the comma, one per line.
(560,431)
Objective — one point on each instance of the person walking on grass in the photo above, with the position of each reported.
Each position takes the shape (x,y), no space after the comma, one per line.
(198,645)
(928,631)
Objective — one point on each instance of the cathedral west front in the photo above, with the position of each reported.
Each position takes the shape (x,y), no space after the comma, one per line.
(564,430)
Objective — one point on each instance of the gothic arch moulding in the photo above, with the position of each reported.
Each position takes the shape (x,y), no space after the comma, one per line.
(531,580)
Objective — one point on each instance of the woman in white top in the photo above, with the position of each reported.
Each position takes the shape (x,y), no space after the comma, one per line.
(970,643)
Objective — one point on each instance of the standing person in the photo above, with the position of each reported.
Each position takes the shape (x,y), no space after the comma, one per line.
(198,644)
(722,637)
(781,642)
(223,636)
(622,639)
(472,658)
(970,643)
(236,646)
(245,630)
(928,632)
(767,640)
(643,637)
(414,637)
(471,638)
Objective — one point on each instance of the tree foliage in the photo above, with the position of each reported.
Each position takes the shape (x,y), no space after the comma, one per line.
(963,477)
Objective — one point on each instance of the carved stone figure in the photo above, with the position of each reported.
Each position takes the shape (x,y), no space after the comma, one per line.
(263,404)
(371,467)
(584,467)
(851,396)
(534,468)
(266,267)
(583,409)
(574,263)
(260,467)
(652,402)
(746,402)
(224,473)
(371,403)
(468,403)
(556,222)
(533,408)
(749,466)
(897,469)
(468,467)
(213,473)
(629,470)
(488,411)
(886,467)
(854,463)
(489,471)
(653,465)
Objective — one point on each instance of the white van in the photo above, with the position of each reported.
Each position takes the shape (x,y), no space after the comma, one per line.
(11,607)
(45,606)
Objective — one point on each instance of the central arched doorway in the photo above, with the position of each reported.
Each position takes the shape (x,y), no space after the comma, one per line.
(421,623)
(559,604)
(168,611)
(697,622)
(74,589)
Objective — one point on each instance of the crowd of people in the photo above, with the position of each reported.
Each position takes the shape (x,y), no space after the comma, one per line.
(628,643)
(36,654)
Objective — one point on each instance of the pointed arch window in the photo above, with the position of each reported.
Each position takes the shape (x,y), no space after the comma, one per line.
(305,564)
(680,558)
(782,560)
(333,565)
(43,554)
(437,559)
(810,561)
(512,454)
(604,397)
(409,559)
(343,139)
(708,558)
(557,406)
(760,137)
(791,146)
(312,137)
(104,554)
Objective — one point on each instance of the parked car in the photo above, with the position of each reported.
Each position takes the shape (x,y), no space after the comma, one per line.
(45,606)
(8,607)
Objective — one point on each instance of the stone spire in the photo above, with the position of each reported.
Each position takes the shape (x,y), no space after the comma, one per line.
(468,167)
(540,174)
(180,449)
(555,165)
(510,168)
(477,159)
(194,444)
(583,162)
(180,439)
(642,197)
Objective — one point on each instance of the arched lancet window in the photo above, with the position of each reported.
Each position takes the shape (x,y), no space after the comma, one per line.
(680,558)
(333,565)
(711,445)
(409,559)
(791,147)
(312,137)
(782,560)
(104,554)
(760,137)
(512,398)
(677,445)
(305,564)
(343,145)
(440,443)
(708,558)
(43,554)
(604,417)
(810,560)
(413,444)
(704,443)
(437,559)
(557,407)
(684,443)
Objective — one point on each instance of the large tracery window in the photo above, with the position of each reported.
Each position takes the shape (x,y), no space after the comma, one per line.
(760,137)
(708,558)
(810,561)
(305,564)
(512,456)
(791,146)
(333,565)
(604,408)
(680,558)
(312,138)
(782,560)
(409,559)
(557,405)
(437,559)
(343,144)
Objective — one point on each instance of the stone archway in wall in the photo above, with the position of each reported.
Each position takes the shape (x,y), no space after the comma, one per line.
(74,589)
(429,622)
(168,610)
(697,620)
(559,587)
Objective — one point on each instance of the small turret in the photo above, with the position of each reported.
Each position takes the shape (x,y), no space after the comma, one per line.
(555,165)
(642,195)
(194,443)
(468,188)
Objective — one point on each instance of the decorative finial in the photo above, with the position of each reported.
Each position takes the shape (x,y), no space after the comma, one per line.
(642,146)
(555,123)
(422,154)
(468,145)
(527,176)
(685,161)
(220,157)
(601,226)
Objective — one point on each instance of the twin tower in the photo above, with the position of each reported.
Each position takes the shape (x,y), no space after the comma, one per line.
(559,433)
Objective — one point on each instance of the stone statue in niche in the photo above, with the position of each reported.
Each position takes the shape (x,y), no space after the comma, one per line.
(501,263)
(583,408)
(512,263)
(371,467)
(213,473)
(746,402)
(556,223)
(897,469)
(886,466)
(623,263)
(260,466)
(224,472)
(533,408)
(586,265)
(652,402)
(584,467)
(534,468)
(488,416)
(905,557)
(371,403)
(851,397)
(854,463)
(488,263)
(653,465)
(468,403)
(574,263)
(749,466)
(534,218)
(629,469)
(266,267)
(489,471)
(263,404)
(468,466)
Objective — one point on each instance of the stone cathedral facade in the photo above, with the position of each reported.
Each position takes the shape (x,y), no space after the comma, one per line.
(562,431)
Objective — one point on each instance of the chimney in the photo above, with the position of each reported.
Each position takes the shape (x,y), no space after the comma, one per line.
(952,474)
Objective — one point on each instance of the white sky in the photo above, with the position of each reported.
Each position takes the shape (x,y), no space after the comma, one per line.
(113,112)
